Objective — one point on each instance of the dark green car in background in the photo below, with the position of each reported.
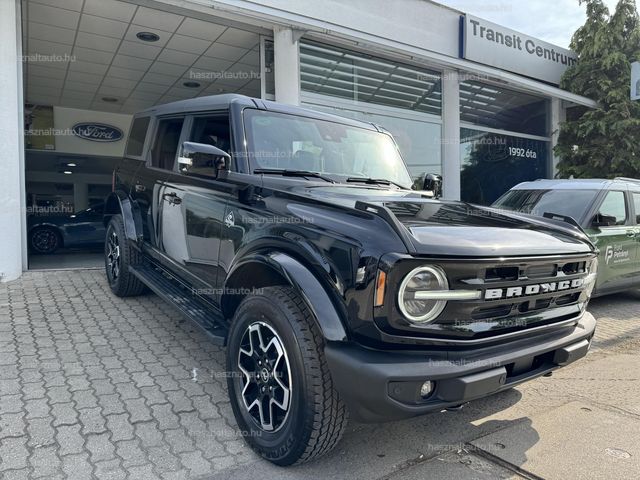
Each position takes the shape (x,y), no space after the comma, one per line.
(607,210)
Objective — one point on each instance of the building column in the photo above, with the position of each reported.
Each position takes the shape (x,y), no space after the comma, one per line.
(556,117)
(12,208)
(80,196)
(451,135)
(286,65)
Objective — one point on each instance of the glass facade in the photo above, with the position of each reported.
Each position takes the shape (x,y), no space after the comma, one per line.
(497,107)
(404,99)
(333,71)
(503,140)
(492,163)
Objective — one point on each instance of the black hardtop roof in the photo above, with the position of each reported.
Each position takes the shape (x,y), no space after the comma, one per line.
(223,102)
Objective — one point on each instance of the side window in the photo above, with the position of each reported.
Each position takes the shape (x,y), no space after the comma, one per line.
(136,136)
(614,209)
(636,203)
(210,130)
(165,147)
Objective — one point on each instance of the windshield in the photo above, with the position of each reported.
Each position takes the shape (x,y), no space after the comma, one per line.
(290,142)
(572,203)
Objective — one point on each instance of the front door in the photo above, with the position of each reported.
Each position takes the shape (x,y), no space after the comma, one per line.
(614,234)
(192,209)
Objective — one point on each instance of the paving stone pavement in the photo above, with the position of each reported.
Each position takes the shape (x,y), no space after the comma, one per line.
(95,386)
(92,385)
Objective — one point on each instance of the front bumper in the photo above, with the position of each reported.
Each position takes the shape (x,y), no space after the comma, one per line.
(381,385)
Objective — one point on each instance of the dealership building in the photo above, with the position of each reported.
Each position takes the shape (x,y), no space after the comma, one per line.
(472,100)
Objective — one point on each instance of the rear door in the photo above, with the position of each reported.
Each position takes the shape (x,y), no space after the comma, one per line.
(613,232)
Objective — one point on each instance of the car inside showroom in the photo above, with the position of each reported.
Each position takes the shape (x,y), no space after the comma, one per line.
(114,59)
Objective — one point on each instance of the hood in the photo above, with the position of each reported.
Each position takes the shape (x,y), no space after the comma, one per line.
(437,227)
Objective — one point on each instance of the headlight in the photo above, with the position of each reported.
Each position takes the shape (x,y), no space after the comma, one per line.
(413,305)
(590,281)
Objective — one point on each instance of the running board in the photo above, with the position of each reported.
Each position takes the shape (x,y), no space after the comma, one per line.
(191,305)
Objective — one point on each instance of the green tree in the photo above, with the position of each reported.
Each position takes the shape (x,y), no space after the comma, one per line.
(605,141)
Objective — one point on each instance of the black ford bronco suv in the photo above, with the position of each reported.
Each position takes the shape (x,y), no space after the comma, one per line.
(294,238)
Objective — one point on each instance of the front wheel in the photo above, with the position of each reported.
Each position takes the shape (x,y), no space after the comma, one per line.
(280,386)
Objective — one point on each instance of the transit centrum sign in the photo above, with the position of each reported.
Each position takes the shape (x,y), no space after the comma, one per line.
(494,45)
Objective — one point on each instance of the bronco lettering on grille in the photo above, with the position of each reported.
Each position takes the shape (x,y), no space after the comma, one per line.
(534,289)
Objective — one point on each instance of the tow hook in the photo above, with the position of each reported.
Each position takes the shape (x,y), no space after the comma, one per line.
(455,408)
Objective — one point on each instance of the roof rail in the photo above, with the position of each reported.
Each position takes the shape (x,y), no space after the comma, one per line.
(627,179)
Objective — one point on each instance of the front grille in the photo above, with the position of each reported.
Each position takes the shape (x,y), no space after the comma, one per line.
(527,297)
(532,294)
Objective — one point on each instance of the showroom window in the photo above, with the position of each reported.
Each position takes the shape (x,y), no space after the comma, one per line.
(504,140)
(404,99)
(333,71)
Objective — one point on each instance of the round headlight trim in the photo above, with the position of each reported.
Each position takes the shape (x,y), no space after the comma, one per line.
(438,306)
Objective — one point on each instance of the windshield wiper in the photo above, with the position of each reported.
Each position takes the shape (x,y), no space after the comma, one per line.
(374,181)
(293,173)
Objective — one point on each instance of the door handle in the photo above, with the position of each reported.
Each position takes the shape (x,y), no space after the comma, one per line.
(139,187)
(172,198)
(631,233)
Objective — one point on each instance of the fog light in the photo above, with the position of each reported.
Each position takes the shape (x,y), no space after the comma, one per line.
(426,389)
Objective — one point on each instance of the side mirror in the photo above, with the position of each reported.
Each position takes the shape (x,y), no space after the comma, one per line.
(603,221)
(202,159)
(433,183)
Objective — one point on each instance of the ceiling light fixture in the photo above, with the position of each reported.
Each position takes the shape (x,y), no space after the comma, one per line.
(147,36)
(67,172)
(191,84)
(109,99)
(71,165)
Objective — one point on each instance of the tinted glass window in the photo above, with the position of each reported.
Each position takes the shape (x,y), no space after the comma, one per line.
(572,203)
(337,72)
(214,131)
(636,202)
(614,206)
(502,108)
(493,163)
(137,135)
(166,145)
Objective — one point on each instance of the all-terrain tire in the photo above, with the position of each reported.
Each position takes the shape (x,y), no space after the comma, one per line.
(317,417)
(118,256)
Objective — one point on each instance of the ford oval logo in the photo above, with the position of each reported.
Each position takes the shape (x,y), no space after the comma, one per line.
(97,132)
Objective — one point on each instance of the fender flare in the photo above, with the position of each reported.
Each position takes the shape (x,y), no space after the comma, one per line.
(327,312)
(118,202)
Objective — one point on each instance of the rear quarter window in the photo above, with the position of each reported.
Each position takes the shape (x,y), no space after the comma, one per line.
(137,136)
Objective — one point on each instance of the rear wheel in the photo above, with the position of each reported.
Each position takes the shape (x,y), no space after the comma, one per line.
(280,387)
(118,256)
(45,240)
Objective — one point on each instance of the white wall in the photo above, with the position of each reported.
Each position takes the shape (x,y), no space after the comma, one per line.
(11,133)
(418,23)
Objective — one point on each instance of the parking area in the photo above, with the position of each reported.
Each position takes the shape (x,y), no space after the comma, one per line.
(92,385)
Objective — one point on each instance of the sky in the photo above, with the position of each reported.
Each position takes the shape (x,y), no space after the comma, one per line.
(551,20)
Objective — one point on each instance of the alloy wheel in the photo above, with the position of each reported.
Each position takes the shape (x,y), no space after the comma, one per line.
(45,240)
(266,382)
(113,256)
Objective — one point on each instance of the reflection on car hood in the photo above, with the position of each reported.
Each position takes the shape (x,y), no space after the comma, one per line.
(439,227)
